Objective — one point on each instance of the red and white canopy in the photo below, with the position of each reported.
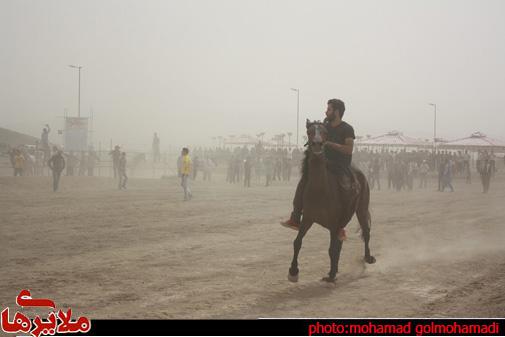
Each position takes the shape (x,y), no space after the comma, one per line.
(393,138)
(476,140)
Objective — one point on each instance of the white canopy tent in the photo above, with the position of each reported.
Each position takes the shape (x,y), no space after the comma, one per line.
(476,141)
(393,139)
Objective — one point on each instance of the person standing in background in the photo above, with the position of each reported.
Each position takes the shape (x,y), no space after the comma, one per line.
(466,167)
(19,163)
(247,171)
(185,172)
(423,174)
(71,163)
(115,154)
(156,148)
(44,142)
(92,159)
(123,178)
(56,164)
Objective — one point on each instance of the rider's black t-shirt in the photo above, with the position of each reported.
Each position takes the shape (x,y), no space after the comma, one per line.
(338,135)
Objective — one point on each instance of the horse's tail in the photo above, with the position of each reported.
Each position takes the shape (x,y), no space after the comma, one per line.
(362,211)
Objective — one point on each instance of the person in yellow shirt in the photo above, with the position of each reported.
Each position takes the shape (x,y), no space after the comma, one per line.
(19,163)
(185,173)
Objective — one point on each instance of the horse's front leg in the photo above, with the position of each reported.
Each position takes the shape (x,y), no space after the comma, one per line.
(297,245)
(334,252)
(366,238)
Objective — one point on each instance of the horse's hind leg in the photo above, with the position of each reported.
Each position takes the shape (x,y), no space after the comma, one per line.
(297,245)
(334,252)
(364,219)
(364,222)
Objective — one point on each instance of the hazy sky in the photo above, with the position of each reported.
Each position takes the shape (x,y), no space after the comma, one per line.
(191,70)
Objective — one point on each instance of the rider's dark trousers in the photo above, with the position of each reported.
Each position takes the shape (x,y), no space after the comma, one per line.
(298,200)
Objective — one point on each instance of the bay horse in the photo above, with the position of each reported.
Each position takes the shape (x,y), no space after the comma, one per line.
(326,203)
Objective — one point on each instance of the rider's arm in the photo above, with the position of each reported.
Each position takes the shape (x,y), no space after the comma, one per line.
(346,148)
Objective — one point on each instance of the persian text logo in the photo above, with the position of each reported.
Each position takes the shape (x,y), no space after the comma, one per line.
(59,322)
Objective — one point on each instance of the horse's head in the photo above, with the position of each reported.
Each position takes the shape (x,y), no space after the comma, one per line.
(316,135)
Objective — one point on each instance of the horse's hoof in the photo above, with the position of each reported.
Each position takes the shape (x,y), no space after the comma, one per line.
(329,279)
(292,278)
(370,259)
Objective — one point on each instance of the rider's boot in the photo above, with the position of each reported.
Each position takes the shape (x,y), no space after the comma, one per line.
(294,221)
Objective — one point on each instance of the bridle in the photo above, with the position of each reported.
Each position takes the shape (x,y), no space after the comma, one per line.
(318,138)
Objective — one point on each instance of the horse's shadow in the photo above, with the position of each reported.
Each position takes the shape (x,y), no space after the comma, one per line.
(296,294)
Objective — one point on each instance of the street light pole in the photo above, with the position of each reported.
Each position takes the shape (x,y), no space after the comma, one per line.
(79,97)
(434,126)
(297,112)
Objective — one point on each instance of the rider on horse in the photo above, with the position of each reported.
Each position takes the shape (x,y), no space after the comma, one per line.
(338,151)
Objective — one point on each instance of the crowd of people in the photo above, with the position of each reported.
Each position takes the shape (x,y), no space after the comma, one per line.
(30,161)
(400,169)
(244,165)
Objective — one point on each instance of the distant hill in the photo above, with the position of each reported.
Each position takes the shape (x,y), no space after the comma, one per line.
(13,138)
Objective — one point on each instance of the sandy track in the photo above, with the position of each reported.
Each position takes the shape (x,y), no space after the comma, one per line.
(144,253)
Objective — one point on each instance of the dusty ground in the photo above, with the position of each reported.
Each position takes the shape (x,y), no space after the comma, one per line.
(144,253)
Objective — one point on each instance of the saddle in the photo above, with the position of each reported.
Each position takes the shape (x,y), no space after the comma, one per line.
(347,178)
